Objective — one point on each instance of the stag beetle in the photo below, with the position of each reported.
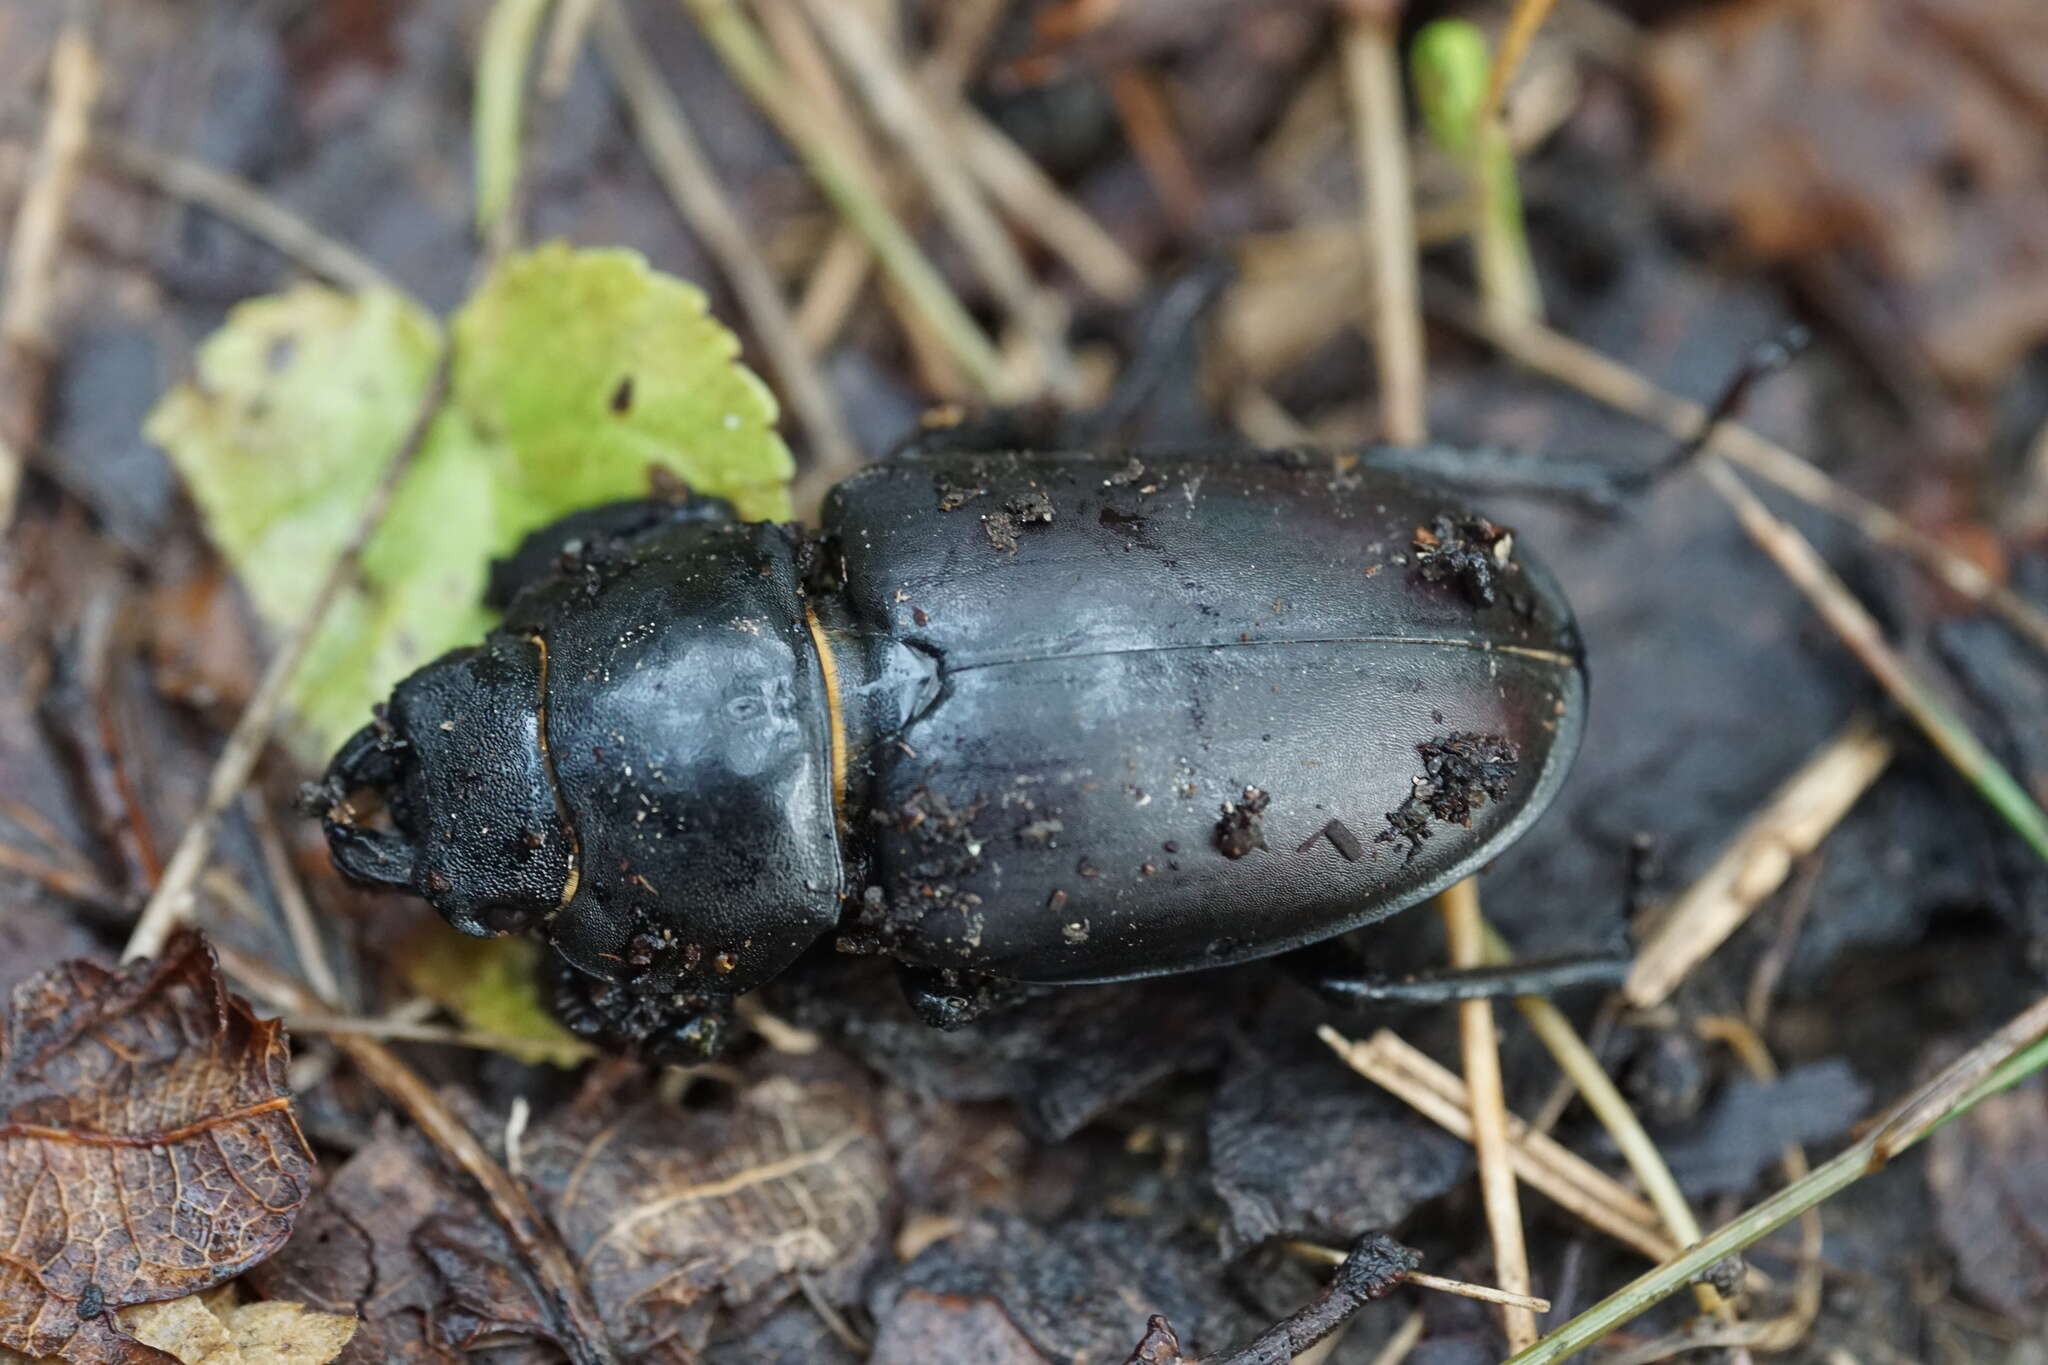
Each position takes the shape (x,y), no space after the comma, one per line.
(1010,719)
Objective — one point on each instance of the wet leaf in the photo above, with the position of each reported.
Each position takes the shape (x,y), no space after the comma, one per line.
(679,1215)
(147,1148)
(492,985)
(576,374)
(593,367)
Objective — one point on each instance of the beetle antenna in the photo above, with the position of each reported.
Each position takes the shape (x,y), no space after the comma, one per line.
(1765,359)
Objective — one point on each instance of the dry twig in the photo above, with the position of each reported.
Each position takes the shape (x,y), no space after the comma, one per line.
(1480,1052)
(1757,860)
(1576,1185)
(1372,72)
(25,342)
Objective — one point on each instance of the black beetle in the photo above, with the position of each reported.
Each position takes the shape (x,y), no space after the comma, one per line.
(1008,718)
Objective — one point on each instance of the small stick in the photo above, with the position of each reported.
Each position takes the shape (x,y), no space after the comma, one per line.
(692,185)
(69,883)
(1462,1288)
(1484,1293)
(1610,382)
(1514,47)
(1480,1051)
(1757,860)
(172,900)
(242,204)
(566,1052)
(858,199)
(25,342)
(291,899)
(1561,1175)
(1372,72)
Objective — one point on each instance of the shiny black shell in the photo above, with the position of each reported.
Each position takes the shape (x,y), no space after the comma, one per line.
(1144,667)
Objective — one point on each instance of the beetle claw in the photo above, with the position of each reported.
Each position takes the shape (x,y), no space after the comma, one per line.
(369,761)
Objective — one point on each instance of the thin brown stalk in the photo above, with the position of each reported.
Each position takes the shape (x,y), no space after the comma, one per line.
(1514,47)
(1148,127)
(1372,74)
(1480,1051)
(566,1052)
(291,899)
(64,881)
(242,204)
(171,902)
(26,344)
(1562,1176)
(1609,381)
(1755,863)
(692,186)
(901,109)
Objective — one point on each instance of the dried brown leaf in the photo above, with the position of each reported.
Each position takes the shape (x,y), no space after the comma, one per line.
(147,1148)
(674,1213)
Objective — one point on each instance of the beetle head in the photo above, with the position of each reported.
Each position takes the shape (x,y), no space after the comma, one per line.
(459,760)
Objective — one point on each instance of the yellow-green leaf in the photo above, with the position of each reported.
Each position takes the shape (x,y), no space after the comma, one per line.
(492,986)
(595,367)
(577,374)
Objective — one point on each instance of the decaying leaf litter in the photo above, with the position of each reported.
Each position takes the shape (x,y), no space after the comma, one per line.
(858,1187)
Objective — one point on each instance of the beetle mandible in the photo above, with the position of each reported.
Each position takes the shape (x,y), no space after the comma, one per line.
(1008,718)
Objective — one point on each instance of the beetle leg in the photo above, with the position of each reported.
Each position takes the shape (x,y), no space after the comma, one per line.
(1537,976)
(946,998)
(666,1028)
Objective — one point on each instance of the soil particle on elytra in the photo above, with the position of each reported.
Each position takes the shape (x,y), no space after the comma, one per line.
(1460,773)
(1468,551)
(1026,509)
(1241,828)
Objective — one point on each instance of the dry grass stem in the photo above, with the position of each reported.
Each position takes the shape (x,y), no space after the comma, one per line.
(852,188)
(1480,1054)
(564,45)
(1562,1176)
(291,900)
(1756,862)
(1609,381)
(171,902)
(1406,1338)
(1514,48)
(1858,629)
(1372,72)
(1789,1328)
(25,341)
(901,109)
(692,185)
(247,207)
